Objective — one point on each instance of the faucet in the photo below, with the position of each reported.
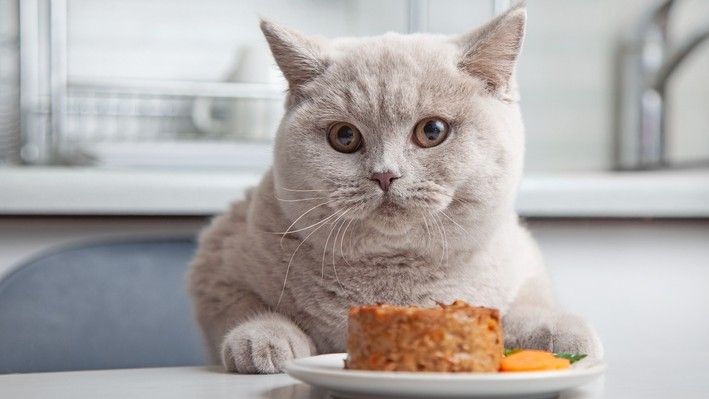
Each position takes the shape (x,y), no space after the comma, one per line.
(645,63)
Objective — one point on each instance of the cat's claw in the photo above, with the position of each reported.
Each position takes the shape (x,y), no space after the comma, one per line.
(264,344)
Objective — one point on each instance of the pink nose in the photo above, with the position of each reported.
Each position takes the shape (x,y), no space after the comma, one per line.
(385,179)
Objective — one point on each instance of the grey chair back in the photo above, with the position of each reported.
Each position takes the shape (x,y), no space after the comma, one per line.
(100,306)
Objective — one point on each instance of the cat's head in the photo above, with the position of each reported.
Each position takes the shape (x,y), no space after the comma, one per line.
(395,128)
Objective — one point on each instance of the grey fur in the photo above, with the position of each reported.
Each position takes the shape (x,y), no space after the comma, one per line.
(448,230)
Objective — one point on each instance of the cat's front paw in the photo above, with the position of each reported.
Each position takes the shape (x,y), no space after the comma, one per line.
(264,344)
(534,328)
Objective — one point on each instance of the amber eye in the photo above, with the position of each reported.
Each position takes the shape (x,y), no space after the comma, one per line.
(344,137)
(430,132)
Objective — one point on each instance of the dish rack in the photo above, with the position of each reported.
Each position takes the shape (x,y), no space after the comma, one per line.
(70,120)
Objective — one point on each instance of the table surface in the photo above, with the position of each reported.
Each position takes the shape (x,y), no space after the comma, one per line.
(644,382)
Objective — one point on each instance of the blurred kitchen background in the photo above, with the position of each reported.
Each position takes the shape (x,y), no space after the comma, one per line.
(136,83)
(136,120)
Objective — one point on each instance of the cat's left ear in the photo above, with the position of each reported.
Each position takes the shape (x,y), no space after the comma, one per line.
(300,58)
(490,53)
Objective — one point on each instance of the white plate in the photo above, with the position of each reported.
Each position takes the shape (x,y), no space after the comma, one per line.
(326,371)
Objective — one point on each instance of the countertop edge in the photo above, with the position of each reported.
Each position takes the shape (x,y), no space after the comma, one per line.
(126,192)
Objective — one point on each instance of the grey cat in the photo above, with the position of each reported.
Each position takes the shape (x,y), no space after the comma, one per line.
(394,176)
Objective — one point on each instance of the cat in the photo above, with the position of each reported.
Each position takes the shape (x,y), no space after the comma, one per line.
(394,176)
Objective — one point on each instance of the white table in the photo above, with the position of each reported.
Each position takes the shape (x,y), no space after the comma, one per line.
(645,381)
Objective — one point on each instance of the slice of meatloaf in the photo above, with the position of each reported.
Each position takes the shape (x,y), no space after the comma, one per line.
(456,337)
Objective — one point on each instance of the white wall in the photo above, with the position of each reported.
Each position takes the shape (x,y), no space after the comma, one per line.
(644,285)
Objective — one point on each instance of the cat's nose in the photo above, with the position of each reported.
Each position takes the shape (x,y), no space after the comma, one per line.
(385,179)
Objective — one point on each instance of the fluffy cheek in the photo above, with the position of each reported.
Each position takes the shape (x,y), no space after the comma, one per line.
(289,169)
(306,161)
(494,163)
(302,156)
(304,171)
(448,165)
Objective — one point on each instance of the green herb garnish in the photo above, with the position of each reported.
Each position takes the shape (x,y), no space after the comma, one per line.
(573,358)
(508,351)
(570,356)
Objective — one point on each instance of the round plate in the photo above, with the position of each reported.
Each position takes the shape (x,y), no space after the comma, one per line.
(327,371)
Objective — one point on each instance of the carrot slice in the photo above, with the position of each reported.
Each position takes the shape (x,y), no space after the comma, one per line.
(533,360)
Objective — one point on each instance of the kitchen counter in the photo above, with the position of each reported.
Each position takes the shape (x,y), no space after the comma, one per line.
(95,191)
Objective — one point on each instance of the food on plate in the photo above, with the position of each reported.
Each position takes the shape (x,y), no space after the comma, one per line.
(533,360)
(536,360)
(454,338)
(449,338)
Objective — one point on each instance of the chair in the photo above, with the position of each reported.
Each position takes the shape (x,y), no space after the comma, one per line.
(100,306)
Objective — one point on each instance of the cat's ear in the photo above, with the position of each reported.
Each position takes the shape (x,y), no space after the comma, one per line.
(299,58)
(490,52)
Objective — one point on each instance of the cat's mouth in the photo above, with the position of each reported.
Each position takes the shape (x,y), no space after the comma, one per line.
(389,208)
(389,218)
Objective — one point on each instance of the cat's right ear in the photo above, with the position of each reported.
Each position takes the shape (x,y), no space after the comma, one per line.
(300,59)
(490,52)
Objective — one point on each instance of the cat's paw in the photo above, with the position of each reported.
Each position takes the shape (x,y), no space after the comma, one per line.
(264,344)
(572,334)
(539,328)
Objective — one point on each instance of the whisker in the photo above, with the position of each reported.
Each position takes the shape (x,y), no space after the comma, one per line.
(342,253)
(428,231)
(445,240)
(285,279)
(334,242)
(463,201)
(301,191)
(306,228)
(334,224)
(334,251)
(454,222)
(300,199)
(440,231)
(333,181)
(351,234)
(300,217)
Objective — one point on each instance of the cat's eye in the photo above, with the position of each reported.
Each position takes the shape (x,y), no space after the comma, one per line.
(344,137)
(430,132)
